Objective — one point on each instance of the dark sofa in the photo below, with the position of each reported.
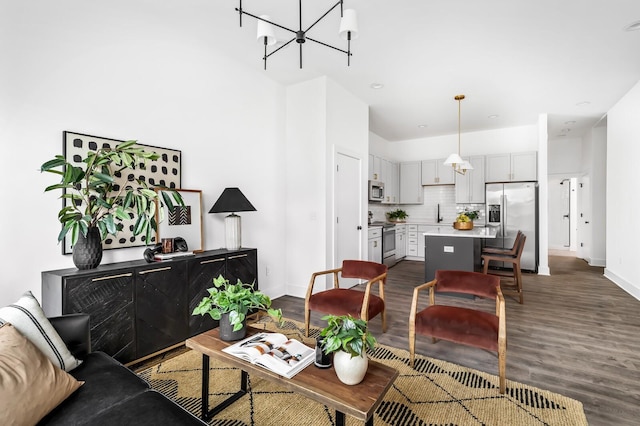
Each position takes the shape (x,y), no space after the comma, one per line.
(112,394)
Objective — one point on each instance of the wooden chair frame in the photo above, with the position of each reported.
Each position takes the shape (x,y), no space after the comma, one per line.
(502,328)
(514,259)
(364,312)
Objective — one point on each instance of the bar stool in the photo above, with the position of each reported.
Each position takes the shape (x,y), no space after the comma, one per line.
(514,259)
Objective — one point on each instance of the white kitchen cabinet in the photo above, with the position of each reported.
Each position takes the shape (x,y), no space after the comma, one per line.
(401,241)
(375,245)
(434,172)
(391,182)
(421,230)
(470,186)
(412,240)
(411,183)
(514,167)
(375,168)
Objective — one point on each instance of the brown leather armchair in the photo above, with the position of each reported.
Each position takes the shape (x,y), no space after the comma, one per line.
(471,327)
(508,256)
(346,301)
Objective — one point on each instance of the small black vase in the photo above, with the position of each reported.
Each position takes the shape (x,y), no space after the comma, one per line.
(226,329)
(87,252)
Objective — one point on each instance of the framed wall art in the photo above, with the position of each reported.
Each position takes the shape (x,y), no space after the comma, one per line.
(183,221)
(164,172)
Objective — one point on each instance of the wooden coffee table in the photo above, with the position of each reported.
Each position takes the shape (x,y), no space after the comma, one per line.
(320,385)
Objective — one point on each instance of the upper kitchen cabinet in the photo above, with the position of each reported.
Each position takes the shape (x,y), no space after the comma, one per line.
(411,183)
(391,182)
(434,172)
(375,168)
(470,186)
(514,167)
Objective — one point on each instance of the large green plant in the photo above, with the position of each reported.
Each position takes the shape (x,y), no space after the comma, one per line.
(343,332)
(98,200)
(236,300)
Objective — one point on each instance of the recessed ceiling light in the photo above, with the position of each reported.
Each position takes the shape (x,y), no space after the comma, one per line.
(634,26)
(492,116)
(422,126)
(570,122)
(376,86)
(583,103)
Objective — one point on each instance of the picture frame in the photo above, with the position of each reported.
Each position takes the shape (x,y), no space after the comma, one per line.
(166,172)
(184,222)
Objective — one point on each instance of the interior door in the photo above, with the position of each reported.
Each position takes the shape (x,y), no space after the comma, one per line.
(348,210)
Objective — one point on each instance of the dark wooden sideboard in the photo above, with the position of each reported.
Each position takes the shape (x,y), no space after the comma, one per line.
(139,308)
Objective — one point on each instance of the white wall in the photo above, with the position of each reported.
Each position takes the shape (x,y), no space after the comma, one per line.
(321,117)
(510,139)
(565,156)
(622,195)
(118,69)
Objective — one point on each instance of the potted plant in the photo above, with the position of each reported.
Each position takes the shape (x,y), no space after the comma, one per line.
(398,215)
(348,338)
(98,202)
(230,303)
(464,220)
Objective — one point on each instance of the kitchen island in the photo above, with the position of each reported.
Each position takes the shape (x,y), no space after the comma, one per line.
(449,248)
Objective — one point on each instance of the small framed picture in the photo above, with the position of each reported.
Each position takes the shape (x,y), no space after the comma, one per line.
(181,221)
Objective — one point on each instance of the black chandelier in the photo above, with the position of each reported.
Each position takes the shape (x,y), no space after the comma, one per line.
(348,30)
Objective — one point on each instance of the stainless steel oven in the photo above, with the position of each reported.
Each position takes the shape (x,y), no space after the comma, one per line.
(389,244)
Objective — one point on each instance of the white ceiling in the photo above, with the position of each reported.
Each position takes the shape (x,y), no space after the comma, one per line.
(511,58)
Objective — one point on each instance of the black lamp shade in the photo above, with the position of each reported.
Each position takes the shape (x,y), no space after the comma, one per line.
(232,200)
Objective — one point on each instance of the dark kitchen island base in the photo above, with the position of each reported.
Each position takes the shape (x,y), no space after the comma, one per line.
(452,253)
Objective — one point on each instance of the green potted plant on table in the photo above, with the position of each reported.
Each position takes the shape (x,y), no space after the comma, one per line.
(230,304)
(98,202)
(348,338)
(398,215)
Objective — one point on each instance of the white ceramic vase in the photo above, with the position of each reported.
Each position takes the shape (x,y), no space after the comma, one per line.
(349,370)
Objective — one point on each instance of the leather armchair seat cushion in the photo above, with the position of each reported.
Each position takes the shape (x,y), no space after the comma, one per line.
(343,301)
(460,325)
(107,383)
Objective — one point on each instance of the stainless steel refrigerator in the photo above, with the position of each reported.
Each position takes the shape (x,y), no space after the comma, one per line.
(511,207)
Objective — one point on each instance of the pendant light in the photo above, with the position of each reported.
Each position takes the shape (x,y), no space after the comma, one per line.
(454,160)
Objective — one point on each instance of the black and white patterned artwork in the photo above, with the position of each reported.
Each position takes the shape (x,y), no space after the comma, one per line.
(164,172)
(180,215)
(182,221)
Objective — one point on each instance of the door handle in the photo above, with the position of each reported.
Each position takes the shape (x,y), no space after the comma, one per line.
(359,228)
(566,216)
(586,221)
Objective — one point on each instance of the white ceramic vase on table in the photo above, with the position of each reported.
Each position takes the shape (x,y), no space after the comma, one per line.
(350,370)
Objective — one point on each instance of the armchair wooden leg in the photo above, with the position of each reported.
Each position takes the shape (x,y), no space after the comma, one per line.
(307,315)
(502,371)
(384,320)
(412,346)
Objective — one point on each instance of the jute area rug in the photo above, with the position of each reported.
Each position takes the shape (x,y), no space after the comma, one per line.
(432,393)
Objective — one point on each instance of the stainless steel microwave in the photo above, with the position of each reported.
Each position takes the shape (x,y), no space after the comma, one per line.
(376,191)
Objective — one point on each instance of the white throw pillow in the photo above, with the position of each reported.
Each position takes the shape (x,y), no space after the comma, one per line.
(29,319)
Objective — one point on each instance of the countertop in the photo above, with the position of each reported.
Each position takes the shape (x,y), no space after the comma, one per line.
(450,231)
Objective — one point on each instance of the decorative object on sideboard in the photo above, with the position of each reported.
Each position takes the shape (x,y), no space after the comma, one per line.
(266,31)
(184,221)
(232,200)
(464,221)
(100,203)
(163,172)
(398,216)
(454,160)
(348,339)
(230,304)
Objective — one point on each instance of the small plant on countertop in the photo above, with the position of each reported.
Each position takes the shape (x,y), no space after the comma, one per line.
(398,215)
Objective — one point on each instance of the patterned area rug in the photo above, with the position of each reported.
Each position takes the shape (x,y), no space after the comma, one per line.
(433,393)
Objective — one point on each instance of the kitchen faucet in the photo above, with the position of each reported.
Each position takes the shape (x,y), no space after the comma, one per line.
(440,219)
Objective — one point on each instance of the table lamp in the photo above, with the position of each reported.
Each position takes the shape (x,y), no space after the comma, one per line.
(232,200)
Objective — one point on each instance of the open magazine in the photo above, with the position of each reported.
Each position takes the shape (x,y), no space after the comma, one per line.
(275,352)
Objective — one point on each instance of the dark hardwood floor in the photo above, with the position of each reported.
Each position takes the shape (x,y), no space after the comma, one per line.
(577,334)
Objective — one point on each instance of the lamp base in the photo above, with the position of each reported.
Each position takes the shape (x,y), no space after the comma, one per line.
(232,232)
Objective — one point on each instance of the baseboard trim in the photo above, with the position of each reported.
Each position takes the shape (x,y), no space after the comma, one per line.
(622,283)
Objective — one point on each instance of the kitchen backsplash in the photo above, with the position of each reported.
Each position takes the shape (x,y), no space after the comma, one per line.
(445,195)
